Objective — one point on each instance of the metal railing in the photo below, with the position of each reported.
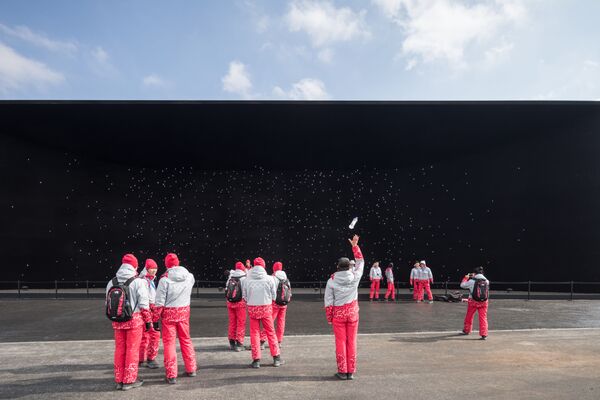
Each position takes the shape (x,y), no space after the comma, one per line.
(521,289)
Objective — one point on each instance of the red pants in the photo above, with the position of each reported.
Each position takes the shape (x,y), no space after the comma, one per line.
(391,290)
(279,313)
(264,315)
(149,345)
(180,329)
(127,352)
(416,289)
(481,308)
(237,322)
(374,288)
(346,333)
(425,286)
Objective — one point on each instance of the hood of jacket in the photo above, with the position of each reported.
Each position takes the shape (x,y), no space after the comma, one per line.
(257,272)
(343,278)
(479,276)
(125,272)
(280,275)
(236,273)
(178,274)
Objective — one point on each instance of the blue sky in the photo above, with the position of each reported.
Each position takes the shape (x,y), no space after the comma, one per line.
(300,50)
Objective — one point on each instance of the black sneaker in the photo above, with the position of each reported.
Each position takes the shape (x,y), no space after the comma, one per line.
(262,345)
(231,344)
(142,364)
(136,384)
(191,374)
(171,381)
(152,364)
(119,386)
(342,377)
(464,333)
(255,364)
(277,361)
(483,337)
(239,346)
(350,377)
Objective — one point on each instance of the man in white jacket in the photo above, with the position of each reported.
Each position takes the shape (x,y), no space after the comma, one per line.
(478,302)
(279,310)
(415,281)
(237,311)
(426,281)
(173,307)
(375,277)
(341,309)
(151,338)
(389,277)
(128,335)
(259,291)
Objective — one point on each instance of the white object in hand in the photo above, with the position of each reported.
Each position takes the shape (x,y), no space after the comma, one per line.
(351,226)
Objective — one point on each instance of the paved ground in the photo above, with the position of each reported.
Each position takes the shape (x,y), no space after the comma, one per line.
(544,364)
(34,320)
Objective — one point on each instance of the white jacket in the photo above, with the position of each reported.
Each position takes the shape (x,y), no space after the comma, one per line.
(375,273)
(138,289)
(258,289)
(151,285)
(470,284)
(175,289)
(389,275)
(426,274)
(414,274)
(343,287)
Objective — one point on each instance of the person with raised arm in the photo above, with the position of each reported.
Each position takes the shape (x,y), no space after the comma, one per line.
(478,286)
(341,309)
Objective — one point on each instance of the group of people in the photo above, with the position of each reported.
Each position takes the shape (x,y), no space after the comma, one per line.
(421,279)
(140,309)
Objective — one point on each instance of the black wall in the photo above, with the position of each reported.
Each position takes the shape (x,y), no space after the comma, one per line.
(514,187)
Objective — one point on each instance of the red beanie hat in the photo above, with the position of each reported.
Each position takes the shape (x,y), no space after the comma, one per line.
(259,261)
(130,259)
(240,266)
(277,266)
(171,260)
(151,264)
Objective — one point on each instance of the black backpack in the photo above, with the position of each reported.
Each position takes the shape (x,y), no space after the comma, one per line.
(118,301)
(481,290)
(284,292)
(233,292)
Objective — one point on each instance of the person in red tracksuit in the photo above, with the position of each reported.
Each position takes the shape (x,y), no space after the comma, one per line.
(415,281)
(173,308)
(375,277)
(481,307)
(259,292)
(237,312)
(279,311)
(389,277)
(151,338)
(128,335)
(341,309)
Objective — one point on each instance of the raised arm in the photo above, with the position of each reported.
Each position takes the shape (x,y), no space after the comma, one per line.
(467,282)
(358,258)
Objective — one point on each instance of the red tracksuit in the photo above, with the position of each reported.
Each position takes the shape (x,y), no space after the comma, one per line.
(279,313)
(237,321)
(151,338)
(480,307)
(262,315)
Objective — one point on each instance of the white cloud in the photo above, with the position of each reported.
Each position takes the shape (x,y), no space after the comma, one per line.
(237,80)
(325,56)
(154,81)
(325,24)
(497,53)
(38,39)
(102,64)
(305,89)
(443,29)
(100,55)
(18,72)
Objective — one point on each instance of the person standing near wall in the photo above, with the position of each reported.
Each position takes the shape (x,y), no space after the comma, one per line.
(375,277)
(415,279)
(389,277)
(478,286)
(426,281)
(150,338)
(236,307)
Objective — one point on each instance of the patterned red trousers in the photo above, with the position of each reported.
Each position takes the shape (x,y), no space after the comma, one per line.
(262,314)
(279,313)
(127,347)
(237,321)
(375,288)
(149,345)
(345,329)
(481,308)
(176,323)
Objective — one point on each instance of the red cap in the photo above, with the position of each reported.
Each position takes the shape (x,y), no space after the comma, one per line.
(259,261)
(171,260)
(130,259)
(151,264)
(277,266)
(240,266)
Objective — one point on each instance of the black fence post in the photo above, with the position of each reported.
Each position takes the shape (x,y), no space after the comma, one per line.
(197,289)
(320,292)
(528,290)
(446,288)
(19,288)
(56,289)
(571,291)
(87,288)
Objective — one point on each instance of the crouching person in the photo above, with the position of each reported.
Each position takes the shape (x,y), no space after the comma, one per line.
(478,286)
(172,306)
(341,307)
(128,307)
(236,307)
(150,338)
(259,292)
